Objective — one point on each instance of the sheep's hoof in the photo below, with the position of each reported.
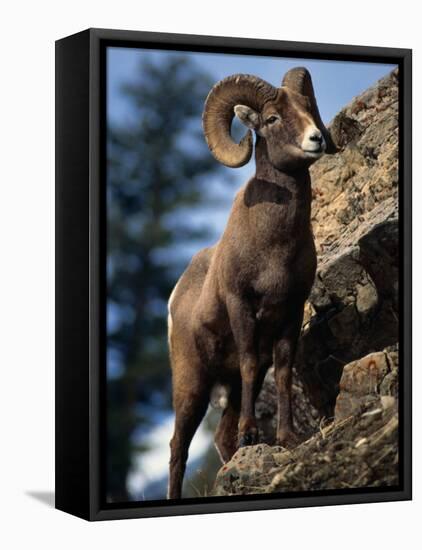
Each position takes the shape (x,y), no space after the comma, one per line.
(289,440)
(248,438)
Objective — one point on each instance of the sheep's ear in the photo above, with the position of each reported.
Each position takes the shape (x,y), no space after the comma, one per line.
(247,116)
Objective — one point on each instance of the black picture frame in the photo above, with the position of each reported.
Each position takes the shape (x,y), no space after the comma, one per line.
(80,273)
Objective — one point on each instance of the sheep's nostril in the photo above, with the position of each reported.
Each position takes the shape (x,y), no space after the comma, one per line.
(316,137)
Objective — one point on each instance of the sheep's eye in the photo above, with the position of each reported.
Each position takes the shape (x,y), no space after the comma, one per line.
(271,119)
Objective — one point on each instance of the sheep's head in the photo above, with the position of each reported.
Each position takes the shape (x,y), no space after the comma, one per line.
(287,118)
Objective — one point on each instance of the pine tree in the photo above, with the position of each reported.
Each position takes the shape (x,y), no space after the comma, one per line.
(157,174)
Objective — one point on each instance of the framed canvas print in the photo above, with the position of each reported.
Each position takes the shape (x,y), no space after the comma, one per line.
(233,275)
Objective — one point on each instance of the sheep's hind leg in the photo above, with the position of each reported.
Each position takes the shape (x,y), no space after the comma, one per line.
(190,407)
(226,434)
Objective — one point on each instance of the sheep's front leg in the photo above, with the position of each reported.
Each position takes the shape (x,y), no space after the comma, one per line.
(284,354)
(243,325)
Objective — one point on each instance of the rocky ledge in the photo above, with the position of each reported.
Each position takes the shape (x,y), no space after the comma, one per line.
(358,449)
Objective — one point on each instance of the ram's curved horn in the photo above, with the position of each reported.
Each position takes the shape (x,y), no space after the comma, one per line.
(218,115)
(299,80)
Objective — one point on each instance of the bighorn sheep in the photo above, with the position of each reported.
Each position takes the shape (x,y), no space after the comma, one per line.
(238,307)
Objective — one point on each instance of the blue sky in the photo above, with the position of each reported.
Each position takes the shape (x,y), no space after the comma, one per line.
(335,82)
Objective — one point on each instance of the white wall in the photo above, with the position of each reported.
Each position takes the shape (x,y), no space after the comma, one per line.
(26,274)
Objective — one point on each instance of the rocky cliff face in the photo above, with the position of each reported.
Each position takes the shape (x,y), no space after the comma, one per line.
(346,373)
